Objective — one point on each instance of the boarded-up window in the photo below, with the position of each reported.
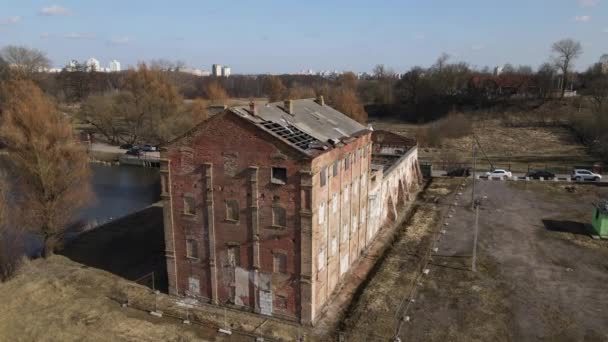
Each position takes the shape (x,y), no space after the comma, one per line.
(194,285)
(279,262)
(334,203)
(346,194)
(321,260)
(278,175)
(192,248)
(232,210)
(334,246)
(356,187)
(347,162)
(234,256)
(279,218)
(189,205)
(323,175)
(321,213)
(344,235)
(336,168)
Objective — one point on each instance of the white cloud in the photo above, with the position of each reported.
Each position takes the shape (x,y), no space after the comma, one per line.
(588,3)
(120,40)
(582,18)
(75,35)
(477,47)
(55,10)
(9,20)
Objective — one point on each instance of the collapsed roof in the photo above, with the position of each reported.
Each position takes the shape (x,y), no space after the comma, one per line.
(307,125)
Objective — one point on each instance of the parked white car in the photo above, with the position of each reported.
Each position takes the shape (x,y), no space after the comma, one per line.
(499,173)
(585,175)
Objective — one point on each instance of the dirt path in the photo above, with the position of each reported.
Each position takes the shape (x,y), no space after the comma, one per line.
(539,279)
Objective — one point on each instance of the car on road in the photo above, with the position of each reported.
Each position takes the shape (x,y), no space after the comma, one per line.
(126,146)
(580,175)
(148,148)
(499,173)
(537,174)
(134,152)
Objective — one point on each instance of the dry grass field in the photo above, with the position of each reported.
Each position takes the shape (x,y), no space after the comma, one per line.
(515,148)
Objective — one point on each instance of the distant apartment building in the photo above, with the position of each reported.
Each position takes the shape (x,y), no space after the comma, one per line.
(266,209)
(93,64)
(226,71)
(114,66)
(216,70)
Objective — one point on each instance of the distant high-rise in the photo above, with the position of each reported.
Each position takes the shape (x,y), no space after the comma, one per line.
(216,70)
(114,66)
(93,64)
(226,71)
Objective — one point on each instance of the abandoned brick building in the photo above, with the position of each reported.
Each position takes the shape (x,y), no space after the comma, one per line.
(267,208)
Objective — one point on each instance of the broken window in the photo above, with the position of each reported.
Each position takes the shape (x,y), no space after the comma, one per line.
(189,205)
(232,210)
(336,167)
(279,217)
(323,176)
(278,175)
(279,262)
(192,248)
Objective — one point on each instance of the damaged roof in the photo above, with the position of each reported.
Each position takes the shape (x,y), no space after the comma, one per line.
(307,125)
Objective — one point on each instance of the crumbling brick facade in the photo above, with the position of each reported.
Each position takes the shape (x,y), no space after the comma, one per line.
(253,222)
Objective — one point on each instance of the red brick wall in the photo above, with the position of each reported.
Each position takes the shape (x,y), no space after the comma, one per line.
(326,278)
(232,146)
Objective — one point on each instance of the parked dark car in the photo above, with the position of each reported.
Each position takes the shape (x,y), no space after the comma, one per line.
(459,172)
(541,173)
(126,146)
(148,148)
(134,152)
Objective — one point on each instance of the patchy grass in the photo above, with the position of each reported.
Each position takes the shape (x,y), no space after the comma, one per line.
(372,317)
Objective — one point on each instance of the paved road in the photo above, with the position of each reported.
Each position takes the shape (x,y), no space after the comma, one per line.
(520,176)
(100,147)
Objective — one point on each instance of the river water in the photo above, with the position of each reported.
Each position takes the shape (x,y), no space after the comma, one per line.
(120,190)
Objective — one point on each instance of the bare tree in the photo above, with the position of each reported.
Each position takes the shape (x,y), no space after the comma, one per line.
(51,167)
(25,60)
(346,101)
(300,92)
(567,51)
(100,112)
(275,88)
(216,93)
(442,60)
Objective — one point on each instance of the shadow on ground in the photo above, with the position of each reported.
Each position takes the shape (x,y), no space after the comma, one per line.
(565,226)
(131,247)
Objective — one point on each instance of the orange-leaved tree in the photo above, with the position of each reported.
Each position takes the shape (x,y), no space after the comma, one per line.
(51,167)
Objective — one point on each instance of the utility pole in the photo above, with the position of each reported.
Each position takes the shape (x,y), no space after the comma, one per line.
(476,204)
(474,178)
